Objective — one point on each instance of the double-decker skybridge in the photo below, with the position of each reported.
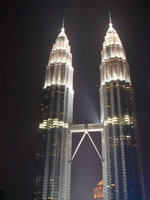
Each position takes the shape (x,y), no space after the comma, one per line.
(86,129)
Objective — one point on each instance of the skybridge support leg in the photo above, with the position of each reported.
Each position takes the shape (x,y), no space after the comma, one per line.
(99,155)
(79,145)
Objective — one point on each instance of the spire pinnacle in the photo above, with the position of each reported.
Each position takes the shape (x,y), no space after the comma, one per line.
(110,18)
(110,23)
(63,25)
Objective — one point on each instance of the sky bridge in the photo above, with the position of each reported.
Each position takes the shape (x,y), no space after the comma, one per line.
(86,129)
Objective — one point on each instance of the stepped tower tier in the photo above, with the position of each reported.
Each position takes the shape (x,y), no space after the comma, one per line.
(59,70)
(114,65)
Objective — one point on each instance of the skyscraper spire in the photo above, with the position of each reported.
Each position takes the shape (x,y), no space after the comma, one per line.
(109,17)
(63,25)
(110,23)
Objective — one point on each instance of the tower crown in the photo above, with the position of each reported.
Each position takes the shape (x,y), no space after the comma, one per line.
(112,46)
(61,52)
(59,70)
(62,42)
(114,63)
(112,37)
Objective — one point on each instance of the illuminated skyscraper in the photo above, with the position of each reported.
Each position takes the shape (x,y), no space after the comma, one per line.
(53,167)
(120,150)
(122,178)
(98,191)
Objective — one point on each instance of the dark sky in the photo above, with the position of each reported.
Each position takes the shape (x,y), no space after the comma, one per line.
(28,30)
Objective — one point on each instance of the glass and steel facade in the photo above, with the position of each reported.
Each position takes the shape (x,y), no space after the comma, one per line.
(120,149)
(52,162)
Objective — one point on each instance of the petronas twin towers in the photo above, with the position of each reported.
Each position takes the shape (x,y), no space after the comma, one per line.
(121,167)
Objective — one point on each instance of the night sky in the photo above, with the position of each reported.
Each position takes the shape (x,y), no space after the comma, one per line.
(28,31)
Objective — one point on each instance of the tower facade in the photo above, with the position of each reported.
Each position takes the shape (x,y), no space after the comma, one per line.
(53,167)
(120,150)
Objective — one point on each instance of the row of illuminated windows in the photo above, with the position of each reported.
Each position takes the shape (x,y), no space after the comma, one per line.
(53,123)
(122,120)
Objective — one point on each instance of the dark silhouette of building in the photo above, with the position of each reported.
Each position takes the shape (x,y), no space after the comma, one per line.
(3,195)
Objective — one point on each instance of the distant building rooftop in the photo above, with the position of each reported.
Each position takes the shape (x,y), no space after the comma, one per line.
(98,191)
